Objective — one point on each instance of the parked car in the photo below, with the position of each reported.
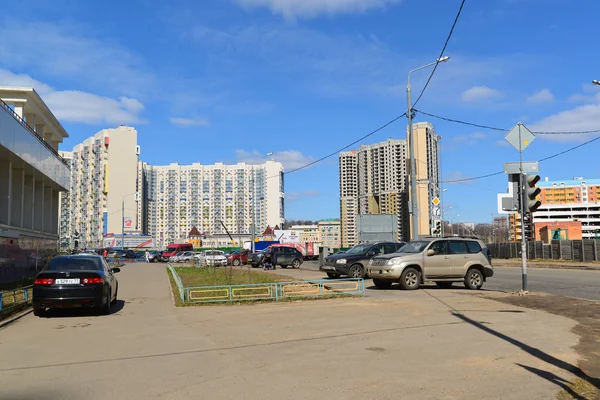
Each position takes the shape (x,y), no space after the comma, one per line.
(211,257)
(286,256)
(155,256)
(175,258)
(256,259)
(238,257)
(440,260)
(75,281)
(175,248)
(118,253)
(354,262)
(186,256)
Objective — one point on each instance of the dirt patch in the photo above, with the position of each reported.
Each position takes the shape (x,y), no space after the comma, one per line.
(586,313)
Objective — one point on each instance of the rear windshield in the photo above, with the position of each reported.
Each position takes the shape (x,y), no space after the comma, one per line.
(74,264)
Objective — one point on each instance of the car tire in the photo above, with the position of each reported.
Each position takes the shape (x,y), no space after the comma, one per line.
(444,285)
(356,271)
(236,262)
(114,301)
(410,279)
(332,275)
(39,312)
(106,307)
(474,279)
(296,263)
(382,283)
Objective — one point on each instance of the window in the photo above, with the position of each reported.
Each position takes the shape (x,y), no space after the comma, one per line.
(439,247)
(457,247)
(473,247)
(377,249)
(389,248)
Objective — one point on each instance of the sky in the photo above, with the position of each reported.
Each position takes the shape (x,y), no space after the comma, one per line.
(232,80)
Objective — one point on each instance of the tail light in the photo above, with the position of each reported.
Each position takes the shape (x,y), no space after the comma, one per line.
(92,281)
(43,281)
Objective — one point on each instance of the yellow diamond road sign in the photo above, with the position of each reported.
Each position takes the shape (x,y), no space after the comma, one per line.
(436,201)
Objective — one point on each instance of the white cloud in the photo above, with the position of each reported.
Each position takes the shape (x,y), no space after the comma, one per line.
(292,9)
(503,143)
(582,118)
(478,93)
(78,106)
(291,159)
(470,139)
(293,196)
(54,50)
(189,121)
(543,96)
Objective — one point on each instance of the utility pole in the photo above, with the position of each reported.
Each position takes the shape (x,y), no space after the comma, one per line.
(123,223)
(414,203)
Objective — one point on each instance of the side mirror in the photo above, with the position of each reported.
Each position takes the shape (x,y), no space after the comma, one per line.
(370,254)
(115,270)
(430,252)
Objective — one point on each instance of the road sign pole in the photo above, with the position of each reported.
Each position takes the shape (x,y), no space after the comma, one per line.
(522,209)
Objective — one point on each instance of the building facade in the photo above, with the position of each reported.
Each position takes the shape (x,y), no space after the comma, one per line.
(307,233)
(32,176)
(216,199)
(575,191)
(375,180)
(105,189)
(330,233)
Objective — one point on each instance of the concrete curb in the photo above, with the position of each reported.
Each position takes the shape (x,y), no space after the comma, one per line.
(549,266)
(14,318)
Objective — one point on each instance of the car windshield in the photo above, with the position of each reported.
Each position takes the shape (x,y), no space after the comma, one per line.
(413,247)
(74,264)
(214,253)
(359,249)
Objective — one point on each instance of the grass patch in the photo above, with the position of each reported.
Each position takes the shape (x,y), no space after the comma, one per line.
(210,276)
(580,389)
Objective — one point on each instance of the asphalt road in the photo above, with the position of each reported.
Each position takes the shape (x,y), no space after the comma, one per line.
(572,283)
(350,348)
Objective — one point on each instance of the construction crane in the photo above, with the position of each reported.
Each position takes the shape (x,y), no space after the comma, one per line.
(229,234)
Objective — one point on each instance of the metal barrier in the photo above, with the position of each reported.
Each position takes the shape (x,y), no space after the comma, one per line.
(15,297)
(272,291)
(177,280)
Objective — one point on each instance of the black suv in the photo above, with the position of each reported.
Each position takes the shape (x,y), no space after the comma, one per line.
(353,262)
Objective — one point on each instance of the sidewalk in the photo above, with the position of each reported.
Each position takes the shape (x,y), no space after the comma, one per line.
(561,264)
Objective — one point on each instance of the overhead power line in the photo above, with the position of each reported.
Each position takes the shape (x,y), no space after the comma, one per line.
(441,53)
(541,160)
(506,130)
(345,147)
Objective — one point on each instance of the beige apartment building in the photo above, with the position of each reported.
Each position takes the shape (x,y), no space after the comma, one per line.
(330,233)
(307,233)
(375,180)
(105,193)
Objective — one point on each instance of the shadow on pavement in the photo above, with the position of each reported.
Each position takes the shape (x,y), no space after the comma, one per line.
(83,312)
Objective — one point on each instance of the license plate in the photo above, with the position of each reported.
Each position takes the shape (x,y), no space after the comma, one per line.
(66,281)
(329,268)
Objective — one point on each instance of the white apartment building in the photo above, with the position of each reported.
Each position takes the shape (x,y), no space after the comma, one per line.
(210,196)
(374,180)
(104,195)
(330,233)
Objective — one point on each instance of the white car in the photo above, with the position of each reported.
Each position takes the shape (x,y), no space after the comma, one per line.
(212,257)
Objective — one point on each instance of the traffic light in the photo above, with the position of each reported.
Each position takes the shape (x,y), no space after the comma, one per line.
(437,228)
(530,192)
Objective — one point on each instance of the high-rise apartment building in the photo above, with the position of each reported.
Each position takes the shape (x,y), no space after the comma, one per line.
(330,233)
(374,180)
(575,191)
(210,196)
(104,195)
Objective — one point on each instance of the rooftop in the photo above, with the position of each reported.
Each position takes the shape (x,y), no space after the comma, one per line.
(569,182)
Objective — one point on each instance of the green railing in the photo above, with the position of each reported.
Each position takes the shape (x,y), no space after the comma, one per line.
(15,297)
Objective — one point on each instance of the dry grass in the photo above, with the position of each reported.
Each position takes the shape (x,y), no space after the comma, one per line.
(580,389)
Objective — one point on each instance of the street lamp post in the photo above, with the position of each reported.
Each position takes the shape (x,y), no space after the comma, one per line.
(442,211)
(252,248)
(123,218)
(413,167)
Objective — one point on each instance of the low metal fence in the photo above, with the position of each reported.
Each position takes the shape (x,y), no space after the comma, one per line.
(15,297)
(177,280)
(573,250)
(272,291)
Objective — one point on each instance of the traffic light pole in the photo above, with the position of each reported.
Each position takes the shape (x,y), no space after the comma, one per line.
(522,209)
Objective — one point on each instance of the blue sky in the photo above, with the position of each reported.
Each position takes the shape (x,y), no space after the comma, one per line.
(230,80)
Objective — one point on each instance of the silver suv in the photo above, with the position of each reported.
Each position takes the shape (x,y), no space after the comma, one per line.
(441,260)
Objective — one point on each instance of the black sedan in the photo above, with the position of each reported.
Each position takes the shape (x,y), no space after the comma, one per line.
(75,281)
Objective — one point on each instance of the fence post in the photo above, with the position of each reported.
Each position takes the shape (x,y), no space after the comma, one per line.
(573,250)
(551,251)
(582,251)
(26,295)
(0,301)
(560,250)
(595,250)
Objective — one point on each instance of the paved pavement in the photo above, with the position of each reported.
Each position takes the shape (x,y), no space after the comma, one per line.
(572,283)
(428,344)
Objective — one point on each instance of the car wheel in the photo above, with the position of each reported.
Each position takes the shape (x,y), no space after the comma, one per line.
(332,275)
(410,279)
(474,279)
(116,294)
(444,285)
(296,263)
(382,283)
(39,311)
(236,262)
(106,307)
(356,271)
